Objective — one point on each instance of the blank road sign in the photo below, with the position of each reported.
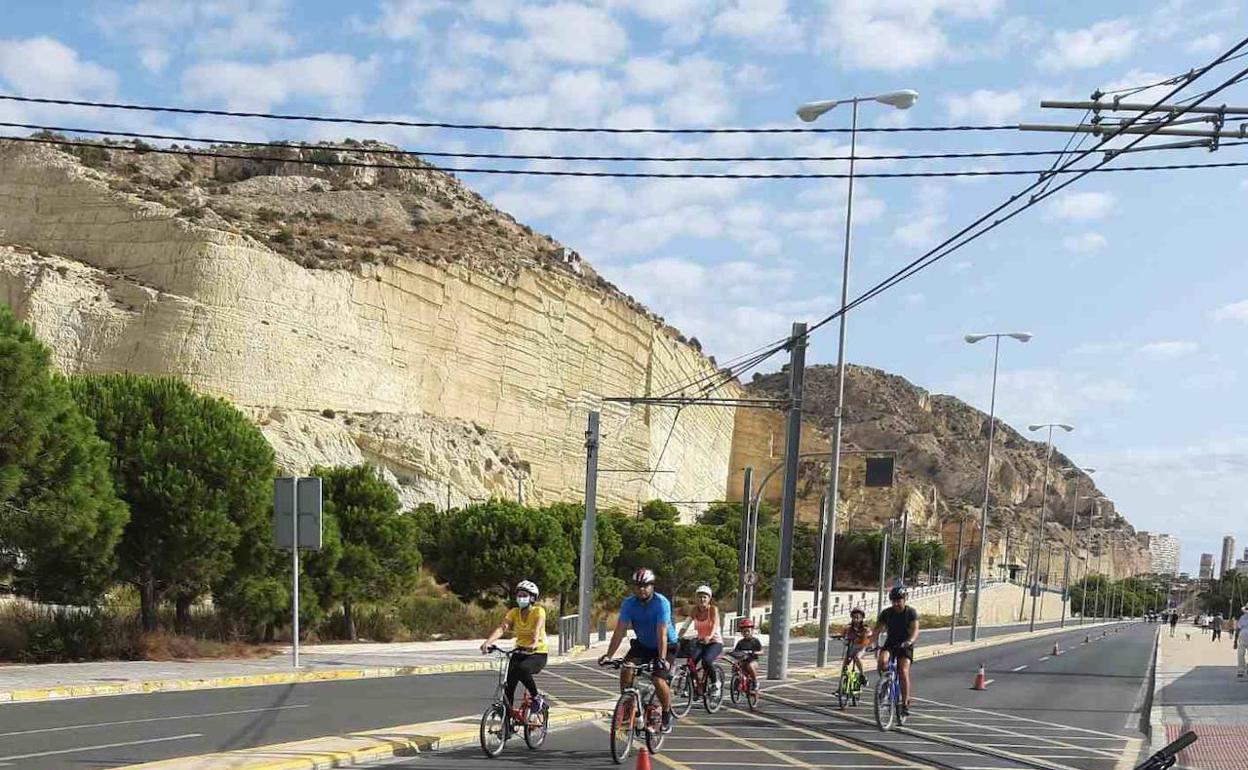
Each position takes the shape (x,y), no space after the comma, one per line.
(309,506)
(879,472)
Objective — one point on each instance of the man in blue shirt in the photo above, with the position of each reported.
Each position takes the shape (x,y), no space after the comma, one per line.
(649,615)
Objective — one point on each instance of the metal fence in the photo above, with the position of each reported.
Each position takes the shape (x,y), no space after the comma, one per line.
(569,632)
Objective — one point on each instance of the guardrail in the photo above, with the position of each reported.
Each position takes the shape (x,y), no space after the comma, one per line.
(569,632)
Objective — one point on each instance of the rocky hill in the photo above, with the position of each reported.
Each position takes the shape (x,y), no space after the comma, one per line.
(941,444)
(381,314)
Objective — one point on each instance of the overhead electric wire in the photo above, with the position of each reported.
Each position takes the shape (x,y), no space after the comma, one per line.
(952,244)
(481,126)
(607,174)
(282,145)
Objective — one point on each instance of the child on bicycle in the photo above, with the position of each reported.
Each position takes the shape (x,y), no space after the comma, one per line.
(747,651)
(857,638)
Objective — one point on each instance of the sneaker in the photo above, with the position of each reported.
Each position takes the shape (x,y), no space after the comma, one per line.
(666,722)
(535,709)
(904,709)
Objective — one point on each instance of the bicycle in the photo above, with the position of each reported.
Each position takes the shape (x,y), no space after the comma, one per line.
(690,682)
(743,684)
(849,689)
(888,704)
(499,722)
(630,719)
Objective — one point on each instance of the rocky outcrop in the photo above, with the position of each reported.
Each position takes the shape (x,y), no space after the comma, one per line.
(940,444)
(114,277)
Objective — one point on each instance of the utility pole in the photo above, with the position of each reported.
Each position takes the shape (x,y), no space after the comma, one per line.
(823,531)
(753,555)
(587,529)
(884,549)
(957,579)
(743,559)
(1044,495)
(905,544)
(782,588)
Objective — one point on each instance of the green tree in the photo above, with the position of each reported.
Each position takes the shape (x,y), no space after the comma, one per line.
(485,549)
(658,510)
(196,475)
(60,520)
(607,547)
(380,546)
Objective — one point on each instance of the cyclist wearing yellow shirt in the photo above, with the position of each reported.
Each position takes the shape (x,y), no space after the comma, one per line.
(528,620)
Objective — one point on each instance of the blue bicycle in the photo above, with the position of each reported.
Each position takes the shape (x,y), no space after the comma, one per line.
(888,702)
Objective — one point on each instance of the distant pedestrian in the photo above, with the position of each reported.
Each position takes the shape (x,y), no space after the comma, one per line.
(1241,641)
(1174,621)
(1216,624)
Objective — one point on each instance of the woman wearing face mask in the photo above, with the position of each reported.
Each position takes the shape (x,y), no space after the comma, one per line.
(528,620)
(710,644)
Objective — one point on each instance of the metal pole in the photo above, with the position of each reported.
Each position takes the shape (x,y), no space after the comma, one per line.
(879,599)
(1044,494)
(983,518)
(743,559)
(782,587)
(905,543)
(294,602)
(823,531)
(957,575)
(1070,549)
(587,530)
(834,480)
(750,566)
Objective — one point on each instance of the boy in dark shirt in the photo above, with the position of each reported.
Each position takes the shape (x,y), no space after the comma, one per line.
(902,624)
(747,651)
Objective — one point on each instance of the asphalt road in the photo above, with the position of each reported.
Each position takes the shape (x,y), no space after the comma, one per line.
(1080,710)
(119,730)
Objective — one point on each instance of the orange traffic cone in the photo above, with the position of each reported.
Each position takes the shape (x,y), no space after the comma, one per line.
(1057,650)
(643,760)
(981,682)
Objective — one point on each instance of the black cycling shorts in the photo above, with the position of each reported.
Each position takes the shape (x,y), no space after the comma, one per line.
(900,651)
(640,654)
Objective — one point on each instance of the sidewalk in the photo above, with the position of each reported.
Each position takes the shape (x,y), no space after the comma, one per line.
(1196,689)
(322,662)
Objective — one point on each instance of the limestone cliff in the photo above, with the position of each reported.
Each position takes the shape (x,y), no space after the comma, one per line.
(389,315)
(941,443)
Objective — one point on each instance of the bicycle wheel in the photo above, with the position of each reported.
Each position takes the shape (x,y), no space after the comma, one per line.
(713,693)
(751,695)
(622,727)
(535,730)
(494,729)
(884,711)
(736,688)
(682,693)
(654,724)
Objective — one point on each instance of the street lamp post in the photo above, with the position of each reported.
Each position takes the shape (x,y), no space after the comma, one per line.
(902,100)
(992,424)
(1074,523)
(1044,493)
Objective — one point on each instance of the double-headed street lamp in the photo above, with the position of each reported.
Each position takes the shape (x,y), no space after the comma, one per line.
(1074,522)
(1044,494)
(902,100)
(992,424)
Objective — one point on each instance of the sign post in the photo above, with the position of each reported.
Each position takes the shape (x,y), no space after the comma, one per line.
(296,524)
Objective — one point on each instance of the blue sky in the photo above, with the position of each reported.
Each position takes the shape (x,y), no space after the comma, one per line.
(1135,285)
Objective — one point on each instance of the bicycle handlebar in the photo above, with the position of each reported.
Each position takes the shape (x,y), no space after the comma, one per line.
(1168,754)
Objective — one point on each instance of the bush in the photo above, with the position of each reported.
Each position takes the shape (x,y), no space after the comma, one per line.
(372,624)
(429,618)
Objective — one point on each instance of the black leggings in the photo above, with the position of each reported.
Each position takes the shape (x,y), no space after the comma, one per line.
(706,653)
(523,668)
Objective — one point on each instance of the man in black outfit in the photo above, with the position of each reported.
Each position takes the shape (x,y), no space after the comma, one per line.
(902,624)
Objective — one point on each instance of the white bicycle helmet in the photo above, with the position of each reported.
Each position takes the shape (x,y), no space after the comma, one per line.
(703,589)
(528,586)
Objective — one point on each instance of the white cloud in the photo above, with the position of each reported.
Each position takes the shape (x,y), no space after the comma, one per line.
(985,105)
(1085,243)
(41,66)
(1205,44)
(339,80)
(1027,395)
(914,30)
(759,22)
(1168,349)
(218,28)
(570,32)
(1236,311)
(650,74)
(1081,206)
(926,223)
(684,21)
(1102,43)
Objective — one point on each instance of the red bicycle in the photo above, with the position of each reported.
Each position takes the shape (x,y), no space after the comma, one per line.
(499,722)
(691,682)
(743,683)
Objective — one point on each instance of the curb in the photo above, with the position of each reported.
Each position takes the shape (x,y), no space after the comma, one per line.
(1156,720)
(368,746)
(142,687)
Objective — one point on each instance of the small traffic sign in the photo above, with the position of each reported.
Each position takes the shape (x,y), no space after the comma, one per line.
(751,578)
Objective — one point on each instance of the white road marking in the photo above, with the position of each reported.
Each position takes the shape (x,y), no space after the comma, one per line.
(1046,657)
(99,746)
(87,725)
(1019,668)
(988,682)
(1013,718)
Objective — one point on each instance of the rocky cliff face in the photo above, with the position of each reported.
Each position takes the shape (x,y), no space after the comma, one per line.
(388,315)
(941,444)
